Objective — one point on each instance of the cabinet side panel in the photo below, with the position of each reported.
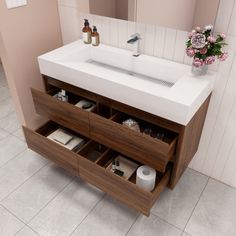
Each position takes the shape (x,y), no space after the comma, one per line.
(188,142)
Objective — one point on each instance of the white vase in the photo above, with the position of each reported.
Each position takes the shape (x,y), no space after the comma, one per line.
(198,71)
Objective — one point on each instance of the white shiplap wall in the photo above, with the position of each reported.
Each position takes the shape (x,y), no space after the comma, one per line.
(216,156)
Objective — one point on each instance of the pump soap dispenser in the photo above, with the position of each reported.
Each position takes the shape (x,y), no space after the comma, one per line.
(95,37)
(87,31)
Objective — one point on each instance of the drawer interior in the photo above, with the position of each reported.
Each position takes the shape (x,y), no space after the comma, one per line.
(147,129)
(72,97)
(103,157)
(51,126)
(92,151)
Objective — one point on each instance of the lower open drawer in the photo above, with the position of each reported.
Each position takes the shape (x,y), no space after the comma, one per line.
(90,162)
(38,142)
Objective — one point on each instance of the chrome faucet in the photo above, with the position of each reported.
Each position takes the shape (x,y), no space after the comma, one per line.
(135,39)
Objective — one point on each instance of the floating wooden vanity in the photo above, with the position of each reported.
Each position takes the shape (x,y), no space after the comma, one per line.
(103,131)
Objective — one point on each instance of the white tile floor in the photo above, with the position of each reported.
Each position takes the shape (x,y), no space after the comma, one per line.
(39,199)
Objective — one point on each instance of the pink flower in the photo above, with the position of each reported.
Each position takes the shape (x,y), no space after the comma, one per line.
(223,56)
(190,34)
(198,62)
(209,60)
(203,51)
(209,27)
(198,41)
(211,39)
(223,35)
(190,52)
(198,29)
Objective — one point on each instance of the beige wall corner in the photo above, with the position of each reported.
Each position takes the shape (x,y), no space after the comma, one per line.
(25,33)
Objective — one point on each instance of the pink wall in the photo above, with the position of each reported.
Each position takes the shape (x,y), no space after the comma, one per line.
(25,33)
(103,7)
(176,14)
(204,16)
(122,9)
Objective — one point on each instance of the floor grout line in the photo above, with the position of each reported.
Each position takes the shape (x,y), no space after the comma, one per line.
(22,183)
(25,226)
(135,220)
(13,214)
(14,157)
(87,215)
(50,201)
(166,221)
(196,204)
(33,230)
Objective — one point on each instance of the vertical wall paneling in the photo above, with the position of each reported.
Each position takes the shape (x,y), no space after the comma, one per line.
(114,32)
(224,15)
(131,30)
(216,156)
(159,41)
(169,46)
(122,33)
(141,29)
(232,24)
(179,52)
(69,16)
(150,39)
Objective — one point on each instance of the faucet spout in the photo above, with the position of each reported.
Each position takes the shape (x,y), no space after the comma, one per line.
(134,40)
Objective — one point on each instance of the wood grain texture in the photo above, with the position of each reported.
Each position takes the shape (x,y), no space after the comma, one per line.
(116,105)
(188,143)
(51,150)
(140,147)
(63,113)
(77,164)
(121,189)
(106,128)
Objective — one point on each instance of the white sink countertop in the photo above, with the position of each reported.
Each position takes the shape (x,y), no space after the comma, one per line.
(158,86)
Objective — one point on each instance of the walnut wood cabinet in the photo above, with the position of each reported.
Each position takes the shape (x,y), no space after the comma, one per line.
(104,133)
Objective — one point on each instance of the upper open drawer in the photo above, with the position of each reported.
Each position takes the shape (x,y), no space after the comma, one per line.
(64,113)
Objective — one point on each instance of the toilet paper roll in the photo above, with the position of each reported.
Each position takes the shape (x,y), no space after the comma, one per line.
(146,177)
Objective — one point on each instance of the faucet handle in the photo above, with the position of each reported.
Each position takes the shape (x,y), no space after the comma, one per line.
(136,35)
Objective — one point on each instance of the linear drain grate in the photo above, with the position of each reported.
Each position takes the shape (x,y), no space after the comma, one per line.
(137,75)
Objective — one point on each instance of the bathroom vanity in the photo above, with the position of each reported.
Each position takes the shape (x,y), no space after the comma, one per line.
(176,103)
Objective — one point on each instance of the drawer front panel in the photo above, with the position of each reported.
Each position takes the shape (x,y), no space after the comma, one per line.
(52,151)
(120,188)
(133,144)
(63,113)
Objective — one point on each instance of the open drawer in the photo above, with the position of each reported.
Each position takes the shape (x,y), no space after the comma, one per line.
(95,171)
(140,146)
(64,113)
(90,162)
(38,142)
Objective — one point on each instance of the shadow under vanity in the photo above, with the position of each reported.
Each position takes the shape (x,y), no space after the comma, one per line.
(164,145)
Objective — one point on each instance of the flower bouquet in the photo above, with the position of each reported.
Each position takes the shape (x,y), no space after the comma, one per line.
(204,48)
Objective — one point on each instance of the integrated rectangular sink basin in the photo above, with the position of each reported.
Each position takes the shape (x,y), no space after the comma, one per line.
(132,73)
(155,85)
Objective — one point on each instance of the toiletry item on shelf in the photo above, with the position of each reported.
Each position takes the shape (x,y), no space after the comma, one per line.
(87,31)
(62,96)
(86,105)
(95,37)
(146,177)
(113,166)
(65,139)
(132,124)
(123,167)
(119,172)
(117,164)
